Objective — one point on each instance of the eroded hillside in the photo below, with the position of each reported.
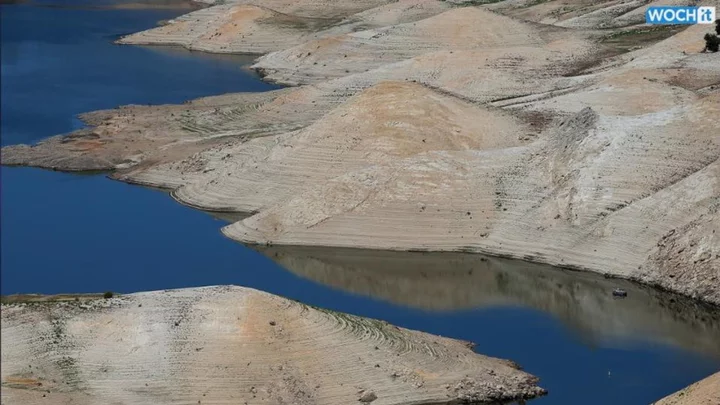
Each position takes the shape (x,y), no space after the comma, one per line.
(561,132)
(233,345)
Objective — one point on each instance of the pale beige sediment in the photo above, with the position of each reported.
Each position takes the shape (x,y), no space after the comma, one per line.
(127,137)
(509,74)
(389,121)
(615,15)
(130,135)
(337,56)
(612,169)
(230,28)
(607,188)
(234,345)
(581,13)
(705,392)
(317,8)
(502,75)
(593,189)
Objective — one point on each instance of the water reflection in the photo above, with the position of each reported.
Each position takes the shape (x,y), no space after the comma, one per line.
(457,281)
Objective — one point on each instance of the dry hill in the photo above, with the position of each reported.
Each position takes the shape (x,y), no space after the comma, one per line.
(234,345)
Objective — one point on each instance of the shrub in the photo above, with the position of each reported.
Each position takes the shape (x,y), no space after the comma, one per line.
(108,294)
(712,42)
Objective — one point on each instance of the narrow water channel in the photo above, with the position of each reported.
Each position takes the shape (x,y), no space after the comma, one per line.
(64,233)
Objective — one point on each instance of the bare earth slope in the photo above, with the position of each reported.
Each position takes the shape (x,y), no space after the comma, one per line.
(234,345)
(265,26)
(389,121)
(459,28)
(705,392)
(589,202)
(463,130)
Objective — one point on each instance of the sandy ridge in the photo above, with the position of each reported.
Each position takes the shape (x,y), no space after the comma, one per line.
(228,344)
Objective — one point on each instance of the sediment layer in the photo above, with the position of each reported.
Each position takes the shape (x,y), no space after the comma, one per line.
(234,345)
(258,27)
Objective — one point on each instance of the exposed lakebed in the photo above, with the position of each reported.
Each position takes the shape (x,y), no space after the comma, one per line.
(84,233)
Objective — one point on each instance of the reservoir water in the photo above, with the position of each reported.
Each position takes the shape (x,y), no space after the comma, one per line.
(64,233)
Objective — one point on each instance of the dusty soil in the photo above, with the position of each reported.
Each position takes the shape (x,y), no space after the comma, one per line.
(122,5)
(258,27)
(705,392)
(559,132)
(234,345)
(38,298)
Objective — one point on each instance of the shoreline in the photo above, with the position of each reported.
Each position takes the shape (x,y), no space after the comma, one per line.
(555,193)
(702,392)
(254,323)
(559,266)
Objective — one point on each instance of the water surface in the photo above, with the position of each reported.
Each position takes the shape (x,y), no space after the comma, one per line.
(60,62)
(65,233)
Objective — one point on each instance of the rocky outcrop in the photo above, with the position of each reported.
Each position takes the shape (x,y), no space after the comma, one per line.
(687,259)
(705,392)
(387,122)
(233,344)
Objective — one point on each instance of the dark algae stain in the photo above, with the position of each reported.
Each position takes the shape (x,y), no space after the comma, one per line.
(66,234)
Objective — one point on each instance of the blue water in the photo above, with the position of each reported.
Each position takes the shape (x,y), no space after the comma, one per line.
(59,62)
(64,233)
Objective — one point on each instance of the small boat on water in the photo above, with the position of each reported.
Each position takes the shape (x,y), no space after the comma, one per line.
(619,292)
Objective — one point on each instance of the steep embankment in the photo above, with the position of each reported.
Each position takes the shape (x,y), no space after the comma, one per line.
(591,14)
(135,134)
(230,28)
(129,135)
(584,197)
(233,344)
(603,190)
(389,121)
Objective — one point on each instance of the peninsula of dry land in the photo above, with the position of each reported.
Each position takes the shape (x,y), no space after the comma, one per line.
(233,345)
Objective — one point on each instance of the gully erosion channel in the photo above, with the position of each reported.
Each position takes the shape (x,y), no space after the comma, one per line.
(84,233)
